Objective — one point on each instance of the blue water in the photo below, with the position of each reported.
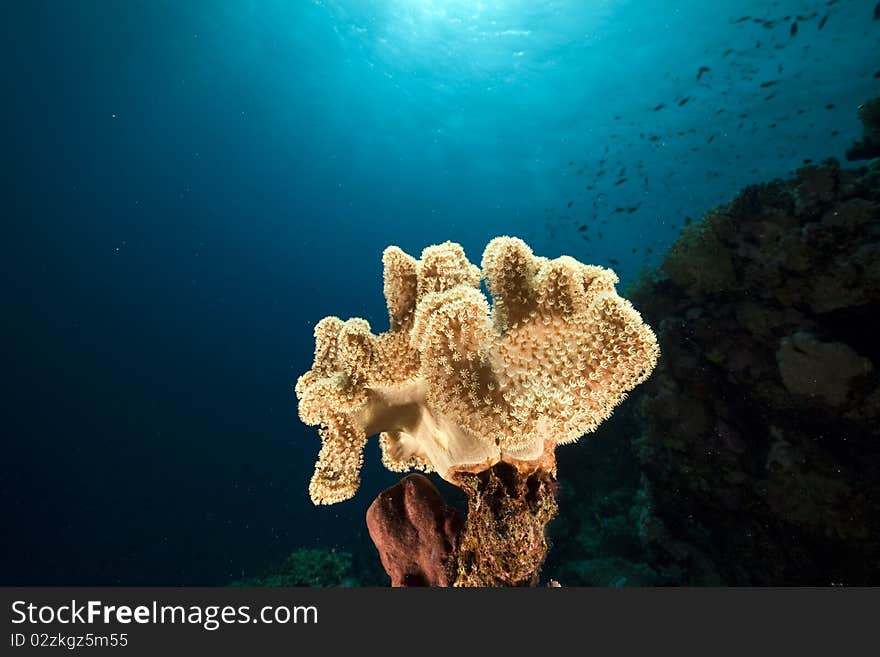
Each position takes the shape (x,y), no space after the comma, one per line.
(190,186)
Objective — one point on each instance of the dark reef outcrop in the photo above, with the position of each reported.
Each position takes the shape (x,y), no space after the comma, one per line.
(310,567)
(760,445)
(869,146)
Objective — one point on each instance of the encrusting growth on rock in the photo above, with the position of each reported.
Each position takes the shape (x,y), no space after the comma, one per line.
(503,542)
(456,387)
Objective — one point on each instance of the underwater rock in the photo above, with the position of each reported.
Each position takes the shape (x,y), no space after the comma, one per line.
(761,438)
(702,241)
(415,532)
(311,567)
(816,369)
(815,186)
(869,146)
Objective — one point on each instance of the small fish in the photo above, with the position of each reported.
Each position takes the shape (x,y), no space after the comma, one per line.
(687,221)
(877,12)
(703,69)
(823,21)
(659,107)
(769,83)
(834,133)
(619,210)
(794,29)
(808,161)
(619,182)
(613,261)
(741,20)
(634,250)
(633,208)
(770,96)
(710,139)
(571,164)
(570,203)
(684,101)
(727,52)
(877,75)
(583,228)
(829,106)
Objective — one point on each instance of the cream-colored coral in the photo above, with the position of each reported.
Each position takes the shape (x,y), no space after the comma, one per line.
(456,386)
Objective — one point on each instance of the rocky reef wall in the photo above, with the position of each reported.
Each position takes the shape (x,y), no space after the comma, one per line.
(761,426)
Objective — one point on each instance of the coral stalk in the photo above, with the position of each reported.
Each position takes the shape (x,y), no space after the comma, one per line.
(504,542)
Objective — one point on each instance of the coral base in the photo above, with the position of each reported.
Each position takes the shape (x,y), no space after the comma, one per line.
(503,542)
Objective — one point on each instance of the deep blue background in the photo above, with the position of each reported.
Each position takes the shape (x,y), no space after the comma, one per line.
(190,186)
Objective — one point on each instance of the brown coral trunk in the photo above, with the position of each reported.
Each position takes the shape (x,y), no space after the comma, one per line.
(503,542)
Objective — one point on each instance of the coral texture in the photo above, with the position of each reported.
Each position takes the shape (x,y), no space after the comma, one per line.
(504,542)
(456,387)
(415,532)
